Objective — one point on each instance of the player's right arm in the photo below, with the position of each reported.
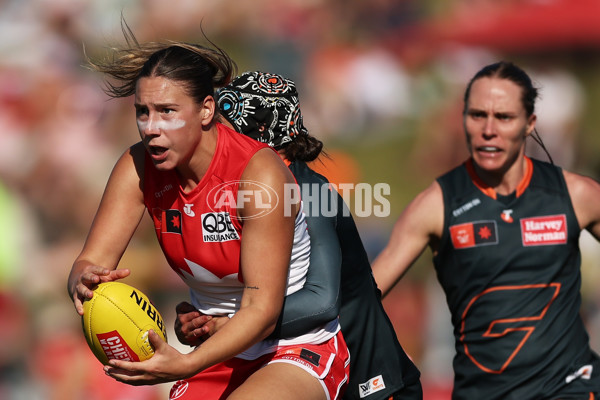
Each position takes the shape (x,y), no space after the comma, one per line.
(420,224)
(318,301)
(119,214)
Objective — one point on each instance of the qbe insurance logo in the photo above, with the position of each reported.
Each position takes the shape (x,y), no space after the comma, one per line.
(319,199)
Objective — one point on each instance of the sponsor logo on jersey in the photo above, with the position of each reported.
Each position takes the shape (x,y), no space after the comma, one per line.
(371,386)
(187,209)
(584,372)
(473,234)
(162,191)
(506,216)
(546,230)
(173,221)
(466,207)
(115,347)
(217,227)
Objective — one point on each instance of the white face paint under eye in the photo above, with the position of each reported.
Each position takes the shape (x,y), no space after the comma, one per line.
(162,125)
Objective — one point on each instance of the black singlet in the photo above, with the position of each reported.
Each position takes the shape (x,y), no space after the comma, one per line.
(510,268)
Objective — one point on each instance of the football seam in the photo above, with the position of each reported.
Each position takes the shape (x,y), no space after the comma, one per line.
(128,317)
(89,319)
(122,311)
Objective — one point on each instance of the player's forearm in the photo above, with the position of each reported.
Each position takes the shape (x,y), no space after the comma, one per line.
(247,327)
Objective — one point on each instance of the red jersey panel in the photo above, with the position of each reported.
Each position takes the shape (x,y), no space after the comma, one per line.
(200,234)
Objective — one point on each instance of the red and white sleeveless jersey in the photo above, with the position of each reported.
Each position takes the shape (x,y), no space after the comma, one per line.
(200,232)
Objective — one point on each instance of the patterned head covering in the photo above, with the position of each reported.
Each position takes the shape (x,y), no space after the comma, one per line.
(264,107)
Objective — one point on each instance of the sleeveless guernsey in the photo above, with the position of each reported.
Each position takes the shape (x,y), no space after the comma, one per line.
(510,268)
(200,234)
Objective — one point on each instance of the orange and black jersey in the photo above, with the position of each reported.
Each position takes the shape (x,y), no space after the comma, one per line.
(510,268)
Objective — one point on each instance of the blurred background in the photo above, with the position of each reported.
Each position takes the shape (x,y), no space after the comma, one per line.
(380,82)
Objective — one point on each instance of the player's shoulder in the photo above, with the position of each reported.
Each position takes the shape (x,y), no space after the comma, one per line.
(581,186)
(432,195)
(584,192)
(265,164)
(578,183)
(131,162)
(426,211)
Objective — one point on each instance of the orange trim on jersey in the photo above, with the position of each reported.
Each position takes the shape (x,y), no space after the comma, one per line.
(489,333)
(488,190)
(526,178)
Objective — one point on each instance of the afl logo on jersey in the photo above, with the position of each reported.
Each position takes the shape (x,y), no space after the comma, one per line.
(217,227)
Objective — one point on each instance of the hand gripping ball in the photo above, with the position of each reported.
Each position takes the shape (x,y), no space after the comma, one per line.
(116,321)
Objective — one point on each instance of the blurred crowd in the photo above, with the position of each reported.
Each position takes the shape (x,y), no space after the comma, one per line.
(364,91)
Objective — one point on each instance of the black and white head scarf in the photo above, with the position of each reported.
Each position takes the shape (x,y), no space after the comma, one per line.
(264,107)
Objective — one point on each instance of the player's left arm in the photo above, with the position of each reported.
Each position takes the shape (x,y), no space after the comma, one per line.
(585,192)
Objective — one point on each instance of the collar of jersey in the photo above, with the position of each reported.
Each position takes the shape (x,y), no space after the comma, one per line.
(488,190)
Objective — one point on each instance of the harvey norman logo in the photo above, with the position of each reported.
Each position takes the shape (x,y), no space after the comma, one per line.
(546,230)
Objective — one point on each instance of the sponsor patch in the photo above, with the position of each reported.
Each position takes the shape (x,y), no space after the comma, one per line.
(217,227)
(473,234)
(371,386)
(546,230)
(115,347)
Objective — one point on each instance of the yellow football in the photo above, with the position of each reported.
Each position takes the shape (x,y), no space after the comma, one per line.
(116,321)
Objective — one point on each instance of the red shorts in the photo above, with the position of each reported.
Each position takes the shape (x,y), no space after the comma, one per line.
(329,362)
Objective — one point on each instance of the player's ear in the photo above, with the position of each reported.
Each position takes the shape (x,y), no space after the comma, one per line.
(530,124)
(207,110)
